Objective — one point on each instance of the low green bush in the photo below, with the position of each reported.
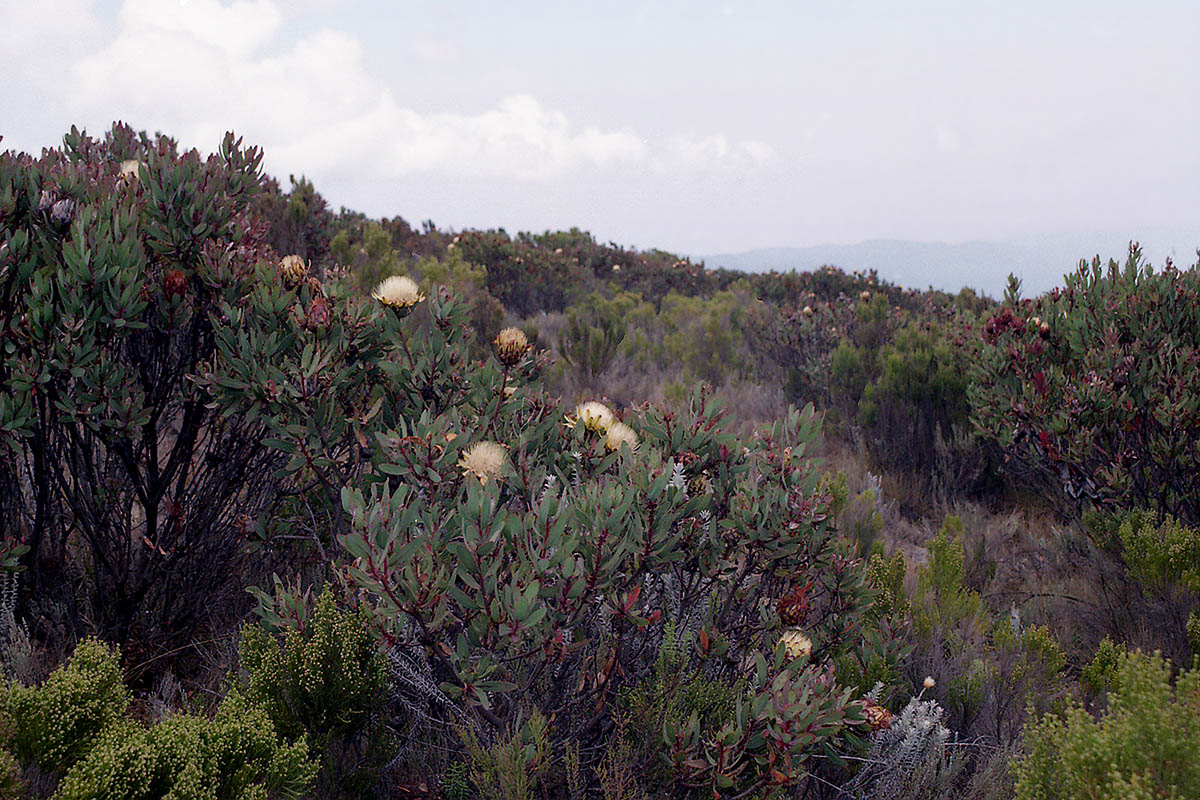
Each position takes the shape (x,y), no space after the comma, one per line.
(1161,554)
(75,724)
(55,724)
(1143,746)
(237,755)
(323,680)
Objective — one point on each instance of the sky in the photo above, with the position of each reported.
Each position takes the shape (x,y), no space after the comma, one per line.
(693,126)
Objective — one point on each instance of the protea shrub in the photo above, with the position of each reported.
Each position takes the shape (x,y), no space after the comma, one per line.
(1092,390)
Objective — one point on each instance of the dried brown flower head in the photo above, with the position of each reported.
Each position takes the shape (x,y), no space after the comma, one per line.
(511,346)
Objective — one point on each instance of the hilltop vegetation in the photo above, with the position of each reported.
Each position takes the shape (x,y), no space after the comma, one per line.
(298,503)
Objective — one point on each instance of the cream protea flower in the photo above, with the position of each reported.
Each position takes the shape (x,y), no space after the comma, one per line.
(511,345)
(398,291)
(484,460)
(618,434)
(795,643)
(293,270)
(129,170)
(929,682)
(595,416)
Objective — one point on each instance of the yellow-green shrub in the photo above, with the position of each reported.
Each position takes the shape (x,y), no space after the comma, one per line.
(1161,555)
(76,723)
(1143,745)
(235,756)
(57,723)
(321,680)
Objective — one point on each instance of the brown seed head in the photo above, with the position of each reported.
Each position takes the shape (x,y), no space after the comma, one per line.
(293,270)
(174,282)
(511,346)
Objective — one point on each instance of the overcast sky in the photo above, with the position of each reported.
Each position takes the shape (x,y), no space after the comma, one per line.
(693,126)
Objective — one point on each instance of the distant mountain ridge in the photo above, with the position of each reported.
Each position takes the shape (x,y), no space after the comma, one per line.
(1040,262)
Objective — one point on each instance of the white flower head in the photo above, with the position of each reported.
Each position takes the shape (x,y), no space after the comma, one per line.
(796,643)
(485,460)
(398,291)
(129,170)
(293,269)
(511,346)
(621,434)
(595,416)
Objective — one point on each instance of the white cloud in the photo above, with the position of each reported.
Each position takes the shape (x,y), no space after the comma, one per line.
(238,29)
(30,28)
(196,68)
(714,152)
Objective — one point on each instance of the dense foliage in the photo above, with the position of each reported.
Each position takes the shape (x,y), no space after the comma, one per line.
(1090,389)
(121,262)
(1143,745)
(545,521)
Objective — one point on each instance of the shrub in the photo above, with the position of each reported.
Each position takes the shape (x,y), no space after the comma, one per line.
(299,222)
(57,723)
(917,398)
(913,758)
(235,756)
(542,582)
(75,724)
(593,333)
(801,341)
(1143,745)
(322,680)
(1088,390)
(513,767)
(674,695)
(886,576)
(1149,574)
(1100,674)
(989,667)
(327,371)
(523,276)
(1161,554)
(118,257)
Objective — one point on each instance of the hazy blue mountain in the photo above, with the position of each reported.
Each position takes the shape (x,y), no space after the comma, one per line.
(1040,261)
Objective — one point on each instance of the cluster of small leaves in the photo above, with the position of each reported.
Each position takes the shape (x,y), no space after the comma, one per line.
(75,725)
(1160,554)
(886,576)
(1100,674)
(323,680)
(55,724)
(1142,746)
(1090,390)
(237,755)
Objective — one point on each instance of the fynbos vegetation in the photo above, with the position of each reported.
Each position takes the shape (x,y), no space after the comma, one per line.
(304,504)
